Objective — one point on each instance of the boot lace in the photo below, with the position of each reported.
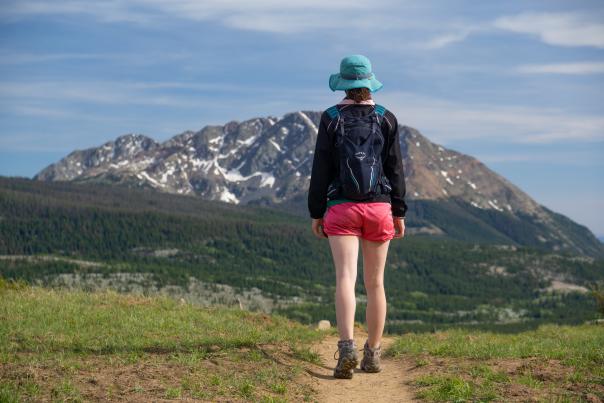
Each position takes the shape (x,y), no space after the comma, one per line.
(372,352)
(342,346)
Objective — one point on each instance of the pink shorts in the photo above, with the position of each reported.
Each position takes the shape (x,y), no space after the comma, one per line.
(371,221)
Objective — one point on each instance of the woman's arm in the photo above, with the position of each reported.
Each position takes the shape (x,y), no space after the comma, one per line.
(393,168)
(322,171)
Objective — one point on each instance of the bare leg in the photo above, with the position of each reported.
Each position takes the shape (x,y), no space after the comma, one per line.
(374,260)
(345,252)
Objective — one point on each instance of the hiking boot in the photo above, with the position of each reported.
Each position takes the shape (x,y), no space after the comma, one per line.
(371,358)
(347,361)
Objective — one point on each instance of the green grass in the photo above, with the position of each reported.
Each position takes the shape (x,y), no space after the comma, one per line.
(551,361)
(55,344)
(575,345)
(43,321)
(445,388)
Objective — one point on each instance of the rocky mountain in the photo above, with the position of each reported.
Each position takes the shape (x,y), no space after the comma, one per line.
(264,158)
(268,161)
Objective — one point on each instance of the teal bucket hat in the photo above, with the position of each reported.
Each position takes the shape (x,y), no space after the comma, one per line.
(355,72)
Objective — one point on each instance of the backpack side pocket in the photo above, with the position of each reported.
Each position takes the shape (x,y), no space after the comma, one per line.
(333,188)
(385,185)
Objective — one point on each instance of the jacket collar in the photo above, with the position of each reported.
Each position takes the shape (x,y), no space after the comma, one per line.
(347,101)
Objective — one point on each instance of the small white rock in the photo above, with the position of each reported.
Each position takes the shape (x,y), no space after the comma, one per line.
(323,325)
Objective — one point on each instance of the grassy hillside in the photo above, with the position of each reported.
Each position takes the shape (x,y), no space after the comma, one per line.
(76,346)
(86,236)
(551,363)
(459,220)
(58,345)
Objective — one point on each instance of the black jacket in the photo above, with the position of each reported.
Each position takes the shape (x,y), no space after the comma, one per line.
(325,166)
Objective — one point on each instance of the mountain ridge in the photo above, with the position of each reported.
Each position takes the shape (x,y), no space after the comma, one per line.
(268,161)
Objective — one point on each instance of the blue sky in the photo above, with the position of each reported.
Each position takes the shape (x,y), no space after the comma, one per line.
(517,84)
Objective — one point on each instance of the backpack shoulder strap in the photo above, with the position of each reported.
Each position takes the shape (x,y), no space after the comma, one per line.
(334,114)
(333,111)
(380,110)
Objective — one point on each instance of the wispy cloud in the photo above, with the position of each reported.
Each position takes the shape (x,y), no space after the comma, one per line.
(444,40)
(561,29)
(563,68)
(7,58)
(105,11)
(10,57)
(561,157)
(108,92)
(284,23)
(447,121)
(260,15)
(455,34)
(39,111)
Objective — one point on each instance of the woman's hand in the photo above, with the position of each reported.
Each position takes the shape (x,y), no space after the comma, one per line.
(399,227)
(317,228)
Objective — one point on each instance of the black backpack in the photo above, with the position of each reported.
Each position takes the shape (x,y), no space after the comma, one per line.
(359,143)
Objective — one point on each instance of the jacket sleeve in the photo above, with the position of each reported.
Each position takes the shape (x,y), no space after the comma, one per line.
(322,172)
(393,169)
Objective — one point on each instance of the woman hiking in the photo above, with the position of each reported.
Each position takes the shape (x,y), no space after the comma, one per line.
(357,190)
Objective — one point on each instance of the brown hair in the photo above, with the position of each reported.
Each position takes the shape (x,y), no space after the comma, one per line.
(358,94)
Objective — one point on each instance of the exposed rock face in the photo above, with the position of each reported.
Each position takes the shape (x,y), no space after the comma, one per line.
(264,158)
(269,160)
(435,172)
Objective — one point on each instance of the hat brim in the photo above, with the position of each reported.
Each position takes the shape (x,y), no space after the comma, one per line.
(336,82)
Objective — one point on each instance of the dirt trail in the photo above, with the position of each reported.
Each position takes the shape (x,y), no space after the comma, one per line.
(386,386)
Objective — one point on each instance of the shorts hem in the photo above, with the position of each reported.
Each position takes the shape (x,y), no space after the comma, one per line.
(340,233)
(382,239)
(373,239)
